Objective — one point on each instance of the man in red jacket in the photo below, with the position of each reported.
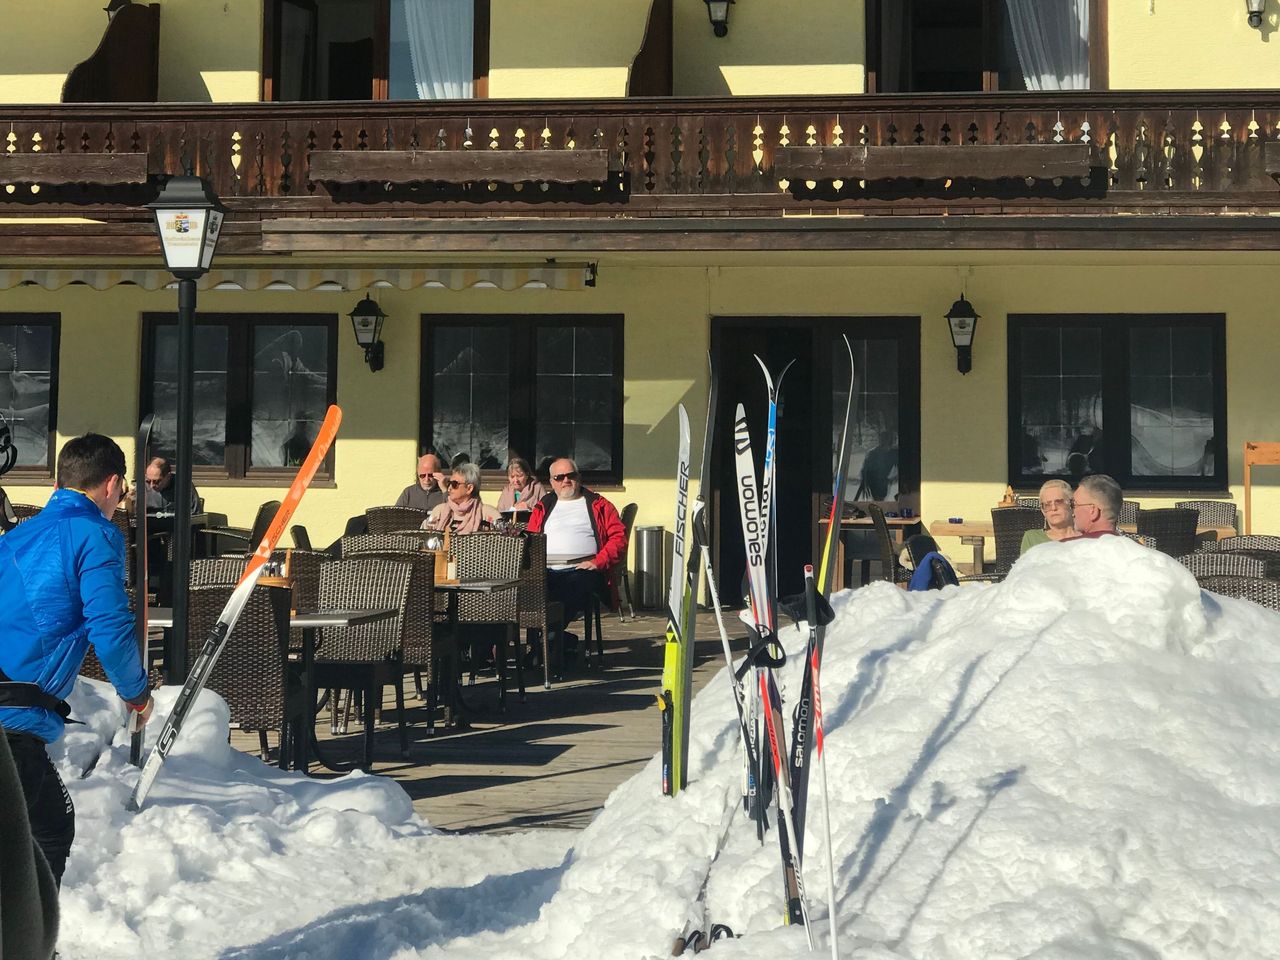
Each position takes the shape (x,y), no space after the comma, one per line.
(585,539)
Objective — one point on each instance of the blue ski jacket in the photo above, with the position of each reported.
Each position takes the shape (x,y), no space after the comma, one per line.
(62,588)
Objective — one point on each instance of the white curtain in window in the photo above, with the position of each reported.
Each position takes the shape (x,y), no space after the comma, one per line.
(1052,39)
(440,45)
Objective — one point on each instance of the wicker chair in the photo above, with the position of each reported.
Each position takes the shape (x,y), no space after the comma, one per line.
(890,569)
(301,539)
(1173,528)
(1224,565)
(1213,513)
(1130,511)
(1250,541)
(492,556)
(24,511)
(1033,502)
(251,672)
(230,540)
(1265,593)
(392,519)
(304,574)
(217,571)
(535,611)
(368,657)
(621,581)
(1009,523)
(379,543)
(420,651)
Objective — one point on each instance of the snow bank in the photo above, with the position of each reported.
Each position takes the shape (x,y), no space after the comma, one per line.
(1079,762)
(229,851)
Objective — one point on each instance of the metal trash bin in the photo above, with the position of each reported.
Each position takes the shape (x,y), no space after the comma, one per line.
(651,567)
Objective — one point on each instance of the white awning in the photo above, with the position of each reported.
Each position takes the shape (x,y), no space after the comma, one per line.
(547,276)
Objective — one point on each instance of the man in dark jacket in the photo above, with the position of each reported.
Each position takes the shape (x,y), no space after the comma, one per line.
(61,589)
(28,895)
(585,539)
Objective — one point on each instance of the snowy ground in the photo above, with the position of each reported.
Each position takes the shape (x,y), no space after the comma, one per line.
(1080,762)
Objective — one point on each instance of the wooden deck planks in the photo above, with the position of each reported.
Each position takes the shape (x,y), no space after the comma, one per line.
(550,761)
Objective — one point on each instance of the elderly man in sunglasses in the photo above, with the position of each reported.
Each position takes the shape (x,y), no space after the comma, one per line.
(585,539)
(428,493)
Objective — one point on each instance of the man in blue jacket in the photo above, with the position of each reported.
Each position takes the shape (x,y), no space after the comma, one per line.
(61,589)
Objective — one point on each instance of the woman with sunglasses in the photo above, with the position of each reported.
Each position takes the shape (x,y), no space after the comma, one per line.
(1055,504)
(522,490)
(462,511)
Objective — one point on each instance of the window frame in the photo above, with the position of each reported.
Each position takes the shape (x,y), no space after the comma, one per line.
(381,87)
(53,320)
(1115,373)
(1099,69)
(522,396)
(236,469)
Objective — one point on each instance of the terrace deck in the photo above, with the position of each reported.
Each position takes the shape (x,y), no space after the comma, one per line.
(549,762)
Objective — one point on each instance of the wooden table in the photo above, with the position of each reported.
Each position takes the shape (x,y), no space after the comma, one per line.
(974,533)
(899,528)
(308,621)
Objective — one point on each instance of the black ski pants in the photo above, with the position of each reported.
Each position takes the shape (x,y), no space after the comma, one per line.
(49,807)
(574,589)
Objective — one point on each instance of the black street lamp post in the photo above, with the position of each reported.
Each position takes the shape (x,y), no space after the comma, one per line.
(189,221)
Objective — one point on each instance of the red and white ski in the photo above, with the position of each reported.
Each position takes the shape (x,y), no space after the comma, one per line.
(217,638)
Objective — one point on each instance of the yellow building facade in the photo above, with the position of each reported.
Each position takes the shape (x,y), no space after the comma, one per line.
(671,298)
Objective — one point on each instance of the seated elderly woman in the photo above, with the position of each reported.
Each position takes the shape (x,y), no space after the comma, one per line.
(522,490)
(462,512)
(1055,504)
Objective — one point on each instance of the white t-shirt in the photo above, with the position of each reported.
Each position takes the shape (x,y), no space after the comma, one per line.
(569,533)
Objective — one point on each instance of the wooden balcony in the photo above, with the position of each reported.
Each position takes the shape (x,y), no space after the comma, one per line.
(1170,154)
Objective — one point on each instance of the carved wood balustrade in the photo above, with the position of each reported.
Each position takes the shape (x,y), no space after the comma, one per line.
(1186,152)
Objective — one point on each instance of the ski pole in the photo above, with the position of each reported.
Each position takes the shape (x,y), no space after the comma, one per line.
(811,611)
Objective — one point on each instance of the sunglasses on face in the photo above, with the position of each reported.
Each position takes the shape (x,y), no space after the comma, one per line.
(562,477)
(1051,504)
(454,484)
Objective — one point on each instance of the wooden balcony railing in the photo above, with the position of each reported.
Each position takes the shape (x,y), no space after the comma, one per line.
(1196,151)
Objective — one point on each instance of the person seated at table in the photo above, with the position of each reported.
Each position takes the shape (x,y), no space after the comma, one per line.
(1096,506)
(1055,504)
(462,512)
(522,490)
(585,535)
(428,492)
(161,490)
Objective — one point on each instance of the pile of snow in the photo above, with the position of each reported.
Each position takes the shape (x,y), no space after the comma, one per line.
(1079,762)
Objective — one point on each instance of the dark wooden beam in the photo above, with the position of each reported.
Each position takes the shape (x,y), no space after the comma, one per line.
(1042,161)
(459,166)
(73,168)
(768,234)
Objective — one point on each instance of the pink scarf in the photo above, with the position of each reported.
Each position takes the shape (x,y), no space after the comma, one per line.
(464,517)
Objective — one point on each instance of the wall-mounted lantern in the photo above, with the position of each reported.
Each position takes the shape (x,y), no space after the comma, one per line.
(718,14)
(963,321)
(1256,7)
(366,321)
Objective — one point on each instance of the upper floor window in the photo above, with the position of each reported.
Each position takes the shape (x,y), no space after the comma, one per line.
(29,389)
(376,49)
(959,45)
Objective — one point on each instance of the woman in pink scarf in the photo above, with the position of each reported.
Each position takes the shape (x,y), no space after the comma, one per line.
(523,490)
(462,512)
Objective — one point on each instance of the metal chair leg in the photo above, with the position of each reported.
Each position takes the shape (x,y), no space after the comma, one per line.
(404,730)
(625,592)
(369,724)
